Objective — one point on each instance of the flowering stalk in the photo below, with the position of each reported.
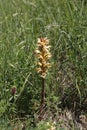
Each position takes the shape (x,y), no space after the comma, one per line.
(43,55)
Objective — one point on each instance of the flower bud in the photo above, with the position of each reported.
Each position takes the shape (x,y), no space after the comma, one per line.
(13,91)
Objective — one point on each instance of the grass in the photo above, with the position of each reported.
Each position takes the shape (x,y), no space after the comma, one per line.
(64,22)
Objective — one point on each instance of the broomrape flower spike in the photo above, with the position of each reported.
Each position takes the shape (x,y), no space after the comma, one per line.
(43,55)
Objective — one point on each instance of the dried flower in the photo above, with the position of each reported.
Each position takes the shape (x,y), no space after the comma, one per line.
(43,54)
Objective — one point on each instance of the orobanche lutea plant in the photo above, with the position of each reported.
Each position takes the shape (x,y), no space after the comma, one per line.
(43,55)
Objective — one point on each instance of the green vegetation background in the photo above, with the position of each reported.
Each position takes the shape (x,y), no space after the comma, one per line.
(64,22)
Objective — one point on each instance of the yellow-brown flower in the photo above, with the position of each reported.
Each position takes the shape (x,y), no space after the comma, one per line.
(43,55)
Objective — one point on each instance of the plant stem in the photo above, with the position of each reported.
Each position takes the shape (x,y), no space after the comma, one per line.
(43,92)
(42,98)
